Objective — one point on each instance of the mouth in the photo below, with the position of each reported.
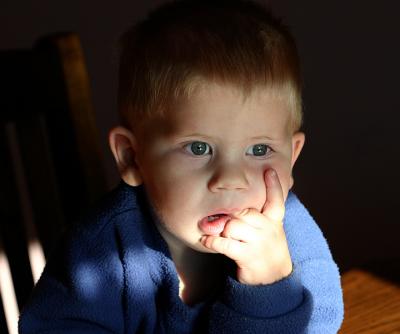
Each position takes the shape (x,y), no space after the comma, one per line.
(214,224)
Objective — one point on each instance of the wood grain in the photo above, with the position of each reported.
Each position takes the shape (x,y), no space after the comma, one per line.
(372,304)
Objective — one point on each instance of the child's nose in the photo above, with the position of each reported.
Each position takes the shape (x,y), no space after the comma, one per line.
(228,176)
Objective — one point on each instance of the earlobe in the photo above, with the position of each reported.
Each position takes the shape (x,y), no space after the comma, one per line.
(291,182)
(124,147)
(298,140)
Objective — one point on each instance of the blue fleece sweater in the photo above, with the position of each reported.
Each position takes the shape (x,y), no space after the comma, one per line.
(113,274)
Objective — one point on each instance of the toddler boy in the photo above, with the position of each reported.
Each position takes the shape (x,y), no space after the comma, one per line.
(203,235)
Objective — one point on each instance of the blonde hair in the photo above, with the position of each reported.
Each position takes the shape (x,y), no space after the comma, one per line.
(226,41)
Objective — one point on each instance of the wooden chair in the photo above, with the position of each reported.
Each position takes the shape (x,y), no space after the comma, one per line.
(50,159)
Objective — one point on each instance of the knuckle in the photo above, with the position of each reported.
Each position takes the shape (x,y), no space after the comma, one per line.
(253,211)
(207,242)
(230,227)
(244,212)
(226,246)
(283,211)
(227,232)
(277,213)
(280,212)
(212,242)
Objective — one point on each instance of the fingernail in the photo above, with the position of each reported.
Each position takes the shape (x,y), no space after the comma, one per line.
(272,173)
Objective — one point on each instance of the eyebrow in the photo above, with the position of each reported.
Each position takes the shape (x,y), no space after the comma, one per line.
(195,135)
(199,135)
(262,137)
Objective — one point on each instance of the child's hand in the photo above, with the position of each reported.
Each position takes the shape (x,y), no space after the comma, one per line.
(256,241)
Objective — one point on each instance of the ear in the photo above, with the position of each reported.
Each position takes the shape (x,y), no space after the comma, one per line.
(298,140)
(124,147)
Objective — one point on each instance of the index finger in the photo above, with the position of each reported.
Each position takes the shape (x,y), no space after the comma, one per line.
(274,207)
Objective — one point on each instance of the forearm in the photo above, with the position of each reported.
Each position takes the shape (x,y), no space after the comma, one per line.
(292,305)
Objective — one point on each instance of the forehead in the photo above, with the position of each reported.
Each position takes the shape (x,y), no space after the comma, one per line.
(216,109)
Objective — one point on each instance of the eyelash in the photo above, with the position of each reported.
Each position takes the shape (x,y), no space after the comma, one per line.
(268,150)
(208,149)
(189,146)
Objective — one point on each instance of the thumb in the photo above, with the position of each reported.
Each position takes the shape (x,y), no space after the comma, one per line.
(274,207)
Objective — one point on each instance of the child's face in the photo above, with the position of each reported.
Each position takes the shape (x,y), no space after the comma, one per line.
(209,156)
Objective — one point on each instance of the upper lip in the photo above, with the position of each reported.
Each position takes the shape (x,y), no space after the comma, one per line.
(223,211)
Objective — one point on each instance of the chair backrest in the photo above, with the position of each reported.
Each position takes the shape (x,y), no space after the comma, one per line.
(50,159)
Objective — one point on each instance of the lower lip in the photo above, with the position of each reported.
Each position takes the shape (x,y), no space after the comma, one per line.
(214,227)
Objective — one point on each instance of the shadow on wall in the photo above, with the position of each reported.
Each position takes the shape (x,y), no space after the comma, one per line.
(347,175)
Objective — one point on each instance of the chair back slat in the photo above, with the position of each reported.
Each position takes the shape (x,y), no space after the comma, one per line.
(51,165)
(12,232)
(42,187)
(66,81)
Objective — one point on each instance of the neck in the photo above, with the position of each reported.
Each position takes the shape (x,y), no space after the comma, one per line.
(199,273)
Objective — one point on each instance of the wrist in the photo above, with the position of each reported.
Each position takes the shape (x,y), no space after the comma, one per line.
(268,300)
(272,276)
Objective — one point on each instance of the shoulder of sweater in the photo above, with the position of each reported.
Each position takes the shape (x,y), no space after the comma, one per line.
(120,202)
(298,221)
(305,238)
(293,206)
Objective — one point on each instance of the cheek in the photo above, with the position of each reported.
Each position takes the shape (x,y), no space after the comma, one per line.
(256,194)
(171,184)
(283,169)
(284,175)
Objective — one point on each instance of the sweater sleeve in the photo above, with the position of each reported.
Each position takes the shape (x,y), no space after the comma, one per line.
(81,289)
(307,301)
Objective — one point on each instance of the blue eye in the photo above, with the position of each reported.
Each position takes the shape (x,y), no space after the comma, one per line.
(258,150)
(198,148)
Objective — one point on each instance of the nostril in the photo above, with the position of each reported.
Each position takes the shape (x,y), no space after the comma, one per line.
(228,177)
(230,188)
(233,186)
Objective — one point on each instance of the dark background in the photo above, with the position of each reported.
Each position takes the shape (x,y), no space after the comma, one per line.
(348,173)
